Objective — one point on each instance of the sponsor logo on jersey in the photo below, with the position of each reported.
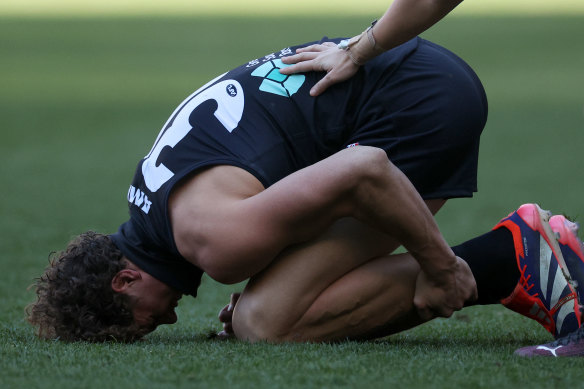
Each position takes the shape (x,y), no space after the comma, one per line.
(231,90)
(276,82)
(139,199)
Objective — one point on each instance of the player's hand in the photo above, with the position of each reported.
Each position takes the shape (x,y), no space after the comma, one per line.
(441,293)
(226,317)
(326,57)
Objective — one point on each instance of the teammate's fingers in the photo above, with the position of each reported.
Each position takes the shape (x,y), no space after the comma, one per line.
(306,48)
(299,57)
(317,89)
(299,52)
(302,67)
(316,47)
(322,85)
(292,59)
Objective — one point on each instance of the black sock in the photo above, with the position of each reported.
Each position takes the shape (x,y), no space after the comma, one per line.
(491,258)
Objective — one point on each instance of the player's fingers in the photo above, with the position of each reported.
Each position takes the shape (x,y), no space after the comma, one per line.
(429,313)
(235,298)
(446,312)
(466,282)
(425,314)
(228,328)
(422,309)
(224,335)
(226,314)
(224,317)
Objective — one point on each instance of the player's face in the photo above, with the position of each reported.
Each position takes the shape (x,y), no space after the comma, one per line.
(154,304)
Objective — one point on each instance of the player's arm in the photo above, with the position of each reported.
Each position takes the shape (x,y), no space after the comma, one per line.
(404,20)
(237,235)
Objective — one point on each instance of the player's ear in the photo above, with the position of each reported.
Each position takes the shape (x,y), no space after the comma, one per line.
(124,279)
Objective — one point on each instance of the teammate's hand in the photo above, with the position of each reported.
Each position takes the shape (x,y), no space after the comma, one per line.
(326,57)
(440,294)
(226,317)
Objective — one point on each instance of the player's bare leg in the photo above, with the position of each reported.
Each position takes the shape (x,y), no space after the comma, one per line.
(342,285)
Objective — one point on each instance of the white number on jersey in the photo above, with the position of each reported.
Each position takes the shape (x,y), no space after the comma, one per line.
(229,97)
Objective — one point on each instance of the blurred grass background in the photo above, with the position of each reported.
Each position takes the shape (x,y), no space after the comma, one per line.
(85,88)
(276,7)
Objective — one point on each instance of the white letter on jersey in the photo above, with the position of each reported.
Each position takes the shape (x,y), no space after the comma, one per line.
(137,197)
(229,112)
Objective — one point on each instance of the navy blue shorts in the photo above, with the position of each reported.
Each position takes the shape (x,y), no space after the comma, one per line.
(428,119)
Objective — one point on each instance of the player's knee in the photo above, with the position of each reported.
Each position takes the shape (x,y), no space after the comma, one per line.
(254,319)
(247,320)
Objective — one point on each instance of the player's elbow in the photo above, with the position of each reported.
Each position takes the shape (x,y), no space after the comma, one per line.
(371,158)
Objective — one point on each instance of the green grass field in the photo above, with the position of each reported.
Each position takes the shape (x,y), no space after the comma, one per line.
(81,101)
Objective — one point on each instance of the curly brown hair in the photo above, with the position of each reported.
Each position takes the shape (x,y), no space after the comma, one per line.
(75,300)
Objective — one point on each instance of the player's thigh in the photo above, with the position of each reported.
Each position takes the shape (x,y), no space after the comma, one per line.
(303,271)
(283,292)
(277,298)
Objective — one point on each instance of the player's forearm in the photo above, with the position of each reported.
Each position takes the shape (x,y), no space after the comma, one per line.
(361,182)
(404,20)
(387,200)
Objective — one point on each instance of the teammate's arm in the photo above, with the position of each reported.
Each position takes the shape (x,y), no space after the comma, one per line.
(237,235)
(404,20)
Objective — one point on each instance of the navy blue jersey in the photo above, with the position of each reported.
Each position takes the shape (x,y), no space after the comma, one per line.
(257,119)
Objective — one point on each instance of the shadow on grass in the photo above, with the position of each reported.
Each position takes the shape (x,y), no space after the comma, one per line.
(402,342)
(442,343)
